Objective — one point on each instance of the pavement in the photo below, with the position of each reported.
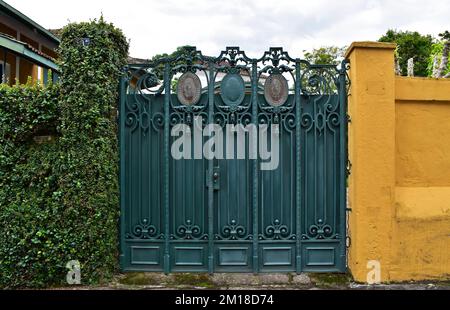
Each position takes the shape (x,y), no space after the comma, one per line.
(249,281)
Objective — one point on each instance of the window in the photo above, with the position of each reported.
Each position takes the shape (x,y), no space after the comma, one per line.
(40,74)
(5,72)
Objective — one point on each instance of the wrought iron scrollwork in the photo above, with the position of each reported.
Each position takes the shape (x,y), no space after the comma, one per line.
(280,61)
(320,230)
(232,60)
(234,107)
(144,230)
(233,231)
(277,231)
(290,82)
(277,108)
(189,231)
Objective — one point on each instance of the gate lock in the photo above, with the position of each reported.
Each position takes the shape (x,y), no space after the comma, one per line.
(215,178)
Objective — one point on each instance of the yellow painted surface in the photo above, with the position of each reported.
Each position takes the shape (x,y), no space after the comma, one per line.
(420,88)
(420,249)
(399,188)
(423,141)
(368,45)
(422,202)
(371,152)
(421,234)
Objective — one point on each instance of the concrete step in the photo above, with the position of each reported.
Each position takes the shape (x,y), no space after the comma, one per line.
(217,280)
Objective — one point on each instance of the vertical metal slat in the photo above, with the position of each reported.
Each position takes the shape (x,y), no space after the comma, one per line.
(166,167)
(122,151)
(343,162)
(298,181)
(210,174)
(255,166)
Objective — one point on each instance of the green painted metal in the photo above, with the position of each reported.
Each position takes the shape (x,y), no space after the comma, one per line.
(165,179)
(22,49)
(210,174)
(228,215)
(298,187)
(255,175)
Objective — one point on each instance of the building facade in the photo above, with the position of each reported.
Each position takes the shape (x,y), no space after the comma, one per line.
(26,48)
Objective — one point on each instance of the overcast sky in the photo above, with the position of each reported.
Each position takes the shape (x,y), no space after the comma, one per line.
(160,26)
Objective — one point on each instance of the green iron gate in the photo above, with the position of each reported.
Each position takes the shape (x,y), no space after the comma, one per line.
(220,214)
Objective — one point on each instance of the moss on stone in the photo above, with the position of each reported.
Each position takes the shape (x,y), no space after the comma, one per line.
(138,278)
(290,278)
(191,279)
(329,280)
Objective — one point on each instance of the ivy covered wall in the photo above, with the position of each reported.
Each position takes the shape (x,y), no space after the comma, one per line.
(59,199)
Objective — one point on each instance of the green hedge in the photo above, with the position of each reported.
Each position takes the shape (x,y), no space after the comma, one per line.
(59,200)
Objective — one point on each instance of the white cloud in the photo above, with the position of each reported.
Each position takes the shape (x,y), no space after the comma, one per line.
(160,26)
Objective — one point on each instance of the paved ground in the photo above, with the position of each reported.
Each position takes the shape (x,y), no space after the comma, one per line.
(158,281)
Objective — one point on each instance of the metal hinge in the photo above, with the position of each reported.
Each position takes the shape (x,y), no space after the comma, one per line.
(348,242)
(349,167)
(349,119)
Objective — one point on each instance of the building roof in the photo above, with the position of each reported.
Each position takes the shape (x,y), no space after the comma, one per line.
(27,51)
(134,60)
(15,13)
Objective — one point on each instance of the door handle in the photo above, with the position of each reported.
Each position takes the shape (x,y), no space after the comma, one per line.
(215,178)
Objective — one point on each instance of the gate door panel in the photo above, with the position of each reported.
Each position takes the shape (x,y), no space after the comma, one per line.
(233,164)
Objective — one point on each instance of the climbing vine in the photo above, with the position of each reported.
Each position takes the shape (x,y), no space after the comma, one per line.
(59,199)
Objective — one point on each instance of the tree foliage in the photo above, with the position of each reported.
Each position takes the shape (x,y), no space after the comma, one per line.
(411,45)
(159,69)
(325,55)
(438,64)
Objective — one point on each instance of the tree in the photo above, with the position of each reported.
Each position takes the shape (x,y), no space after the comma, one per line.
(159,70)
(438,65)
(411,45)
(325,55)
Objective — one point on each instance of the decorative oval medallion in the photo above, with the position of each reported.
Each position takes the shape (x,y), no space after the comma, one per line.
(189,88)
(276,89)
(232,89)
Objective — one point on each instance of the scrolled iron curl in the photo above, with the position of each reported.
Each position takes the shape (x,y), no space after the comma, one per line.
(319,81)
(175,118)
(272,231)
(138,231)
(157,121)
(183,230)
(146,82)
(289,122)
(144,120)
(131,120)
(221,118)
(318,231)
(263,118)
(245,119)
(333,120)
(307,121)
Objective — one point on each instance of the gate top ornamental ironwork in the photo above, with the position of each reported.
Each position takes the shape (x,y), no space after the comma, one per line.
(273,66)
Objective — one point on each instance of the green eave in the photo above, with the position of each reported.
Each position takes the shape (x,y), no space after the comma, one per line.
(12,11)
(22,50)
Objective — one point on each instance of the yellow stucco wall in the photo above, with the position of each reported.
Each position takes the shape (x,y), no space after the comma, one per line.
(422,132)
(421,242)
(399,188)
